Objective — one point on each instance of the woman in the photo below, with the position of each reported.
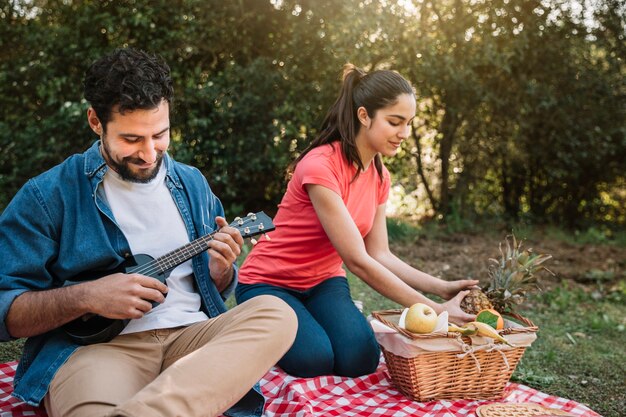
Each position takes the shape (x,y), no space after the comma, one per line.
(332,213)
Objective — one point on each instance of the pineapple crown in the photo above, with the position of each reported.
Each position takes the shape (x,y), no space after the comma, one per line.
(514,274)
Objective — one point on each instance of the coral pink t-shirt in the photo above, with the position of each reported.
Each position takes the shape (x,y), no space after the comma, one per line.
(299,254)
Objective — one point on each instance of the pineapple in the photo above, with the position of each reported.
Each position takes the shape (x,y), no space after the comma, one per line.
(510,278)
(475,301)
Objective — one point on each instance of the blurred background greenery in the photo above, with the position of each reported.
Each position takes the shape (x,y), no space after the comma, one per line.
(521,103)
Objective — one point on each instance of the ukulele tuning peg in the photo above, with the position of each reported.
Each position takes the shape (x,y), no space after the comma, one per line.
(252,216)
(267,237)
(254,241)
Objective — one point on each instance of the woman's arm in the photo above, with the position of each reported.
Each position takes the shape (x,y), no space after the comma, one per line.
(347,240)
(377,246)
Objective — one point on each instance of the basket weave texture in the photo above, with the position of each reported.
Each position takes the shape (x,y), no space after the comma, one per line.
(481,375)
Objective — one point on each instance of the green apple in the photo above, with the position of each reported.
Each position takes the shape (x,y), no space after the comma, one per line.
(421,319)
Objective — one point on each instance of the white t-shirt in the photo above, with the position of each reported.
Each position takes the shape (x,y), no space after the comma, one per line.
(152,224)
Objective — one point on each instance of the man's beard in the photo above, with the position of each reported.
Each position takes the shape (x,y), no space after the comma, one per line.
(124,168)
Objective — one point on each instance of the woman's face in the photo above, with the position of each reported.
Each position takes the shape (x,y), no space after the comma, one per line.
(385,132)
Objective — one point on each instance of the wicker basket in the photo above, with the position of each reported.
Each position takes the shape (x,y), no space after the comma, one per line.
(451,375)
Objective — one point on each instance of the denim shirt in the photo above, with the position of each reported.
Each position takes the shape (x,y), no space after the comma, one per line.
(59,225)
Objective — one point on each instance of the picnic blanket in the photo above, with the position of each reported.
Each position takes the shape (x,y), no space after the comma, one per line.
(329,396)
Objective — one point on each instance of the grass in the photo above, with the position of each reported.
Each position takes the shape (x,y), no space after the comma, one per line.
(579,353)
(590,236)
(11,351)
(400,229)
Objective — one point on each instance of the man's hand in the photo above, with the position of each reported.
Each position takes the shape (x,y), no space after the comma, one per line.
(223,251)
(124,296)
(116,296)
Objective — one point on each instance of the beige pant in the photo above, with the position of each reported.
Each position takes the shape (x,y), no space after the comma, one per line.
(200,370)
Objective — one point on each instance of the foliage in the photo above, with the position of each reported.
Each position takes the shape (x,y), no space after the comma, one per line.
(241,72)
(514,275)
(510,120)
(401,231)
(521,104)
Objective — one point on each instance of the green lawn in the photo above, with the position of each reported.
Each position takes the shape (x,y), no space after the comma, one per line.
(581,349)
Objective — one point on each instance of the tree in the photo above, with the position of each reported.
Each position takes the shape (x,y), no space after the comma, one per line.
(521,104)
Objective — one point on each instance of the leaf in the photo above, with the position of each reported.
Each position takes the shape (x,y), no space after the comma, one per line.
(489,318)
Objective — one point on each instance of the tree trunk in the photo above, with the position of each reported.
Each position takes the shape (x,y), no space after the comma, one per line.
(420,170)
(449,126)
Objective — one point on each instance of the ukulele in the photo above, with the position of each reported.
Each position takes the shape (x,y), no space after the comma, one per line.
(92,328)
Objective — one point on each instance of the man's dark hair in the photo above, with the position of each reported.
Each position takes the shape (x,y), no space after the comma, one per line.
(128,78)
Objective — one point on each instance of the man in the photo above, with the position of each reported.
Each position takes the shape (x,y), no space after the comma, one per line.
(125,196)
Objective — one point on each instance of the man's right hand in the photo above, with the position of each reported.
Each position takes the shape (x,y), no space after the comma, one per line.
(116,296)
(123,296)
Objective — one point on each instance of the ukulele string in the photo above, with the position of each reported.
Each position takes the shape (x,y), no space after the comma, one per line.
(154,267)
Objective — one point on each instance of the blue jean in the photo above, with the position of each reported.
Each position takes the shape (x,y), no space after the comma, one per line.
(333,335)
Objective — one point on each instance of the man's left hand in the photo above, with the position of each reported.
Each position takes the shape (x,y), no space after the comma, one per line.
(223,250)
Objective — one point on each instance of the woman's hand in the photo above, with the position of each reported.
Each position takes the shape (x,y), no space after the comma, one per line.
(451,288)
(455,314)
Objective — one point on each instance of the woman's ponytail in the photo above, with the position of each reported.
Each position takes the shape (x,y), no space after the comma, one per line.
(347,121)
(372,91)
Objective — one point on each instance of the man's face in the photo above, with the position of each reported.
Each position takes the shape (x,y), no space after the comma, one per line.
(134,142)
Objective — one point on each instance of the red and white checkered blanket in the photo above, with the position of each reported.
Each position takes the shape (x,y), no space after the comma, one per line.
(329,396)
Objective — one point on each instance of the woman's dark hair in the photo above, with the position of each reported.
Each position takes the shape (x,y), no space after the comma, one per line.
(373,91)
(128,78)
